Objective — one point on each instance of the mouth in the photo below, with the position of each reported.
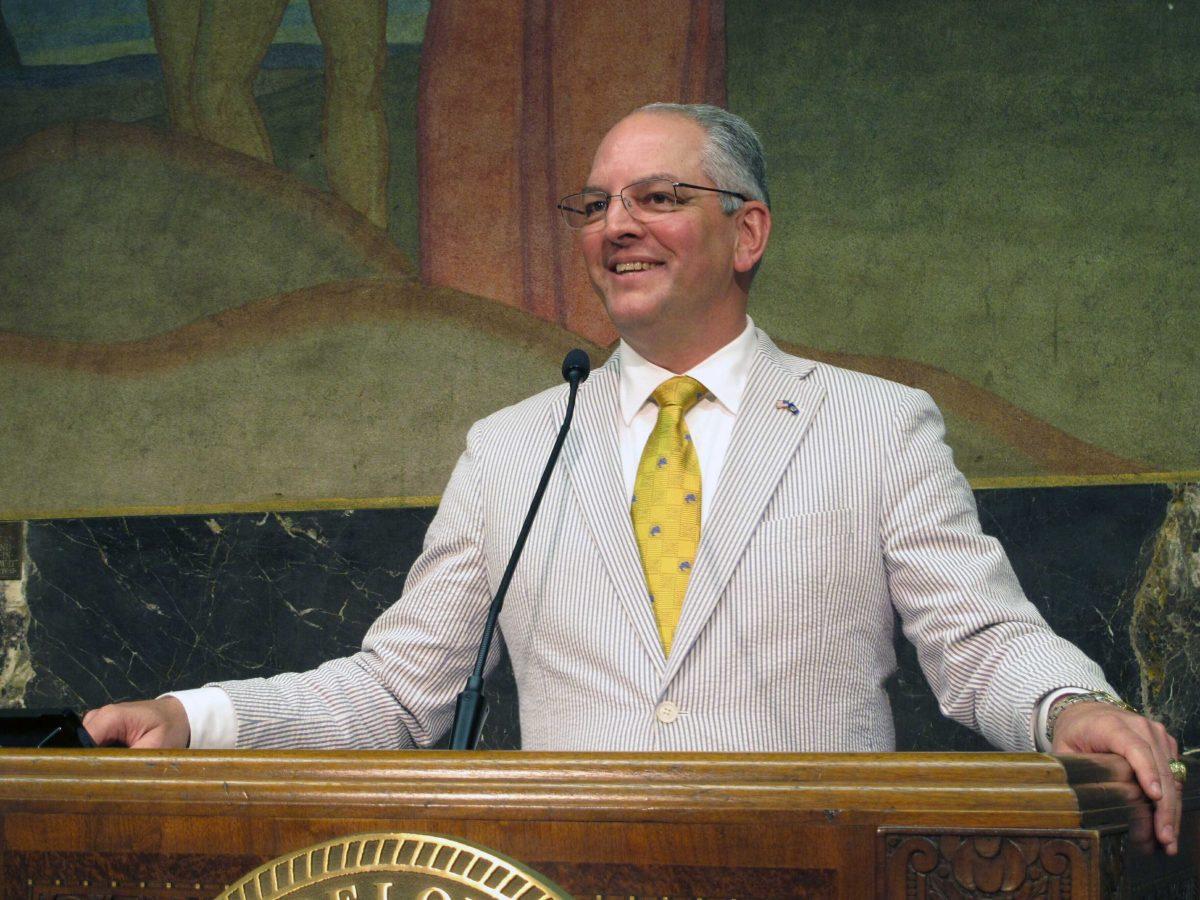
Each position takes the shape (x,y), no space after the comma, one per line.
(623,268)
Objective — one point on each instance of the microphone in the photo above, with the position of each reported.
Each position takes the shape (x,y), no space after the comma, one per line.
(471,709)
(576,367)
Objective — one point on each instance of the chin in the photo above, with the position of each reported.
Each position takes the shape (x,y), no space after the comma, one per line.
(632,312)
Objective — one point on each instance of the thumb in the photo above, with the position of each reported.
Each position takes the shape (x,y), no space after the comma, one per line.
(148,724)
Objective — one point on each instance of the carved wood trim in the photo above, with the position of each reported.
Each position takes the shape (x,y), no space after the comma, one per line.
(1010,864)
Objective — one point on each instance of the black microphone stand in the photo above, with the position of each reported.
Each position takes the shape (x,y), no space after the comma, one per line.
(471,709)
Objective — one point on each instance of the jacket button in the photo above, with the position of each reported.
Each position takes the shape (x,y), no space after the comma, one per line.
(666,712)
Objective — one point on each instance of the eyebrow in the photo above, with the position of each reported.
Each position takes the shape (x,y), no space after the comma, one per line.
(653,176)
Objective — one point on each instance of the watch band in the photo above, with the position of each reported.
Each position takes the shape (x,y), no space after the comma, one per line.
(1062,703)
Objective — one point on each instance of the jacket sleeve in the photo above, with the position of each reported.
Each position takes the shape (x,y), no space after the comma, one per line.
(986,651)
(399,691)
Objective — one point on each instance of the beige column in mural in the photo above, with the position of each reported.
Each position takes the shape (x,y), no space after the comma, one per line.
(514,97)
(212,49)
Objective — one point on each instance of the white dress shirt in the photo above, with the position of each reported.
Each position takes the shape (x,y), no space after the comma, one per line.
(210,713)
(710,421)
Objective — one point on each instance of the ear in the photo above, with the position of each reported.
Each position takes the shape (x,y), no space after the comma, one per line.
(753,230)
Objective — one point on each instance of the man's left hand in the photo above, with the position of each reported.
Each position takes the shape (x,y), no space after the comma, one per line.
(1103,728)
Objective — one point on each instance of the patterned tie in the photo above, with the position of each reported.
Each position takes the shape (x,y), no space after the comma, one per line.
(666,503)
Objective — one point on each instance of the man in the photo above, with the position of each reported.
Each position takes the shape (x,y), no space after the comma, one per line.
(826,500)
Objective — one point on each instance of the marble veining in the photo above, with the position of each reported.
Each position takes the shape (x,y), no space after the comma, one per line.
(129,606)
(122,608)
(1165,628)
(125,608)
(16,666)
(1079,554)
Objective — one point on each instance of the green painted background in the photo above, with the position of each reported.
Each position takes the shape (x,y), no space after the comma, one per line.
(1005,191)
(1009,191)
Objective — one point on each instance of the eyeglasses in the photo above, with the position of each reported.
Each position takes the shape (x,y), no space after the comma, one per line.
(644,200)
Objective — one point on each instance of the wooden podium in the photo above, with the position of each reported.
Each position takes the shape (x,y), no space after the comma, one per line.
(119,823)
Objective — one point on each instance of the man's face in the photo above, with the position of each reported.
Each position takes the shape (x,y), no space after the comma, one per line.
(681,282)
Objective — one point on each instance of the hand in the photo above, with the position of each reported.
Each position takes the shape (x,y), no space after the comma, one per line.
(1102,728)
(143,724)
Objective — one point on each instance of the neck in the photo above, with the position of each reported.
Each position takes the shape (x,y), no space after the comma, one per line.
(680,357)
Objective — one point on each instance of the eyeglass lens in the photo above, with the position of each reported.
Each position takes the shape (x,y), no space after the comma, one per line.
(644,200)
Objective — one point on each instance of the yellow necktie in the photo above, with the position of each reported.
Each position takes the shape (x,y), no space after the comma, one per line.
(666,503)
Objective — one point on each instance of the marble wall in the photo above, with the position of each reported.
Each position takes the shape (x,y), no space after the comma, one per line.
(121,608)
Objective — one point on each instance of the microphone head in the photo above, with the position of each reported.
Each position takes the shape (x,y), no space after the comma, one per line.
(576,366)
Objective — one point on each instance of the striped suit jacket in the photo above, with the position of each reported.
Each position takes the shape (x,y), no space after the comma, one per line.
(826,523)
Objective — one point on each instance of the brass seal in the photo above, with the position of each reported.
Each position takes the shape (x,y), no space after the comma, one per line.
(399,866)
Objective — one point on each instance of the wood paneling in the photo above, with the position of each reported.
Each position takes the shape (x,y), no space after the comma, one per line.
(694,825)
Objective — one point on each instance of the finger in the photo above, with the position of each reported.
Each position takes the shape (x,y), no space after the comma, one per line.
(1148,769)
(1141,834)
(124,725)
(1138,745)
(1168,809)
(1172,800)
(105,726)
(152,739)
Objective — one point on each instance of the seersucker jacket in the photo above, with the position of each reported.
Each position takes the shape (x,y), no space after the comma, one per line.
(831,517)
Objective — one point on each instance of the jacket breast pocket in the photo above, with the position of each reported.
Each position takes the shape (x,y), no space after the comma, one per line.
(788,595)
(823,527)
(798,557)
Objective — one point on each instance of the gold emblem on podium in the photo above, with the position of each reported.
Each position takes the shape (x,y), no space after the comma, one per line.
(400,866)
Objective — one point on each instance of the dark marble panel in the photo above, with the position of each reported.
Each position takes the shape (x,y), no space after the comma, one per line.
(125,608)
(1080,554)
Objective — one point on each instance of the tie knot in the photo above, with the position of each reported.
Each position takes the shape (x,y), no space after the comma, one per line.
(682,391)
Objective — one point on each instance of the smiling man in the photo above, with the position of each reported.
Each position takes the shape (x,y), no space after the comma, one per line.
(722,551)
(671,264)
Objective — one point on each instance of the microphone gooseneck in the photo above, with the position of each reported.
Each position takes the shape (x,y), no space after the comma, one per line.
(471,709)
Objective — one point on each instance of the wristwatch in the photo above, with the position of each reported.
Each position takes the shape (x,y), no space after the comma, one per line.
(1063,702)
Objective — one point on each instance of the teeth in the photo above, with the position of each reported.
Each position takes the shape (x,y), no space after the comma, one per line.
(634,266)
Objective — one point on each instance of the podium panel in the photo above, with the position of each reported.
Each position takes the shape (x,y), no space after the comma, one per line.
(175,824)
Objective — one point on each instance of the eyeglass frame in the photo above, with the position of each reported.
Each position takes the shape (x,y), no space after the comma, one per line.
(629,204)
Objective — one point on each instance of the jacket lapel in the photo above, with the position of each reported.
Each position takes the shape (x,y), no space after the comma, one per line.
(763,443)
(592,461)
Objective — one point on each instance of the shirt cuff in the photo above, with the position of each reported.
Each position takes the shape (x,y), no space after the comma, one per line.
(1040,738)
(211,718)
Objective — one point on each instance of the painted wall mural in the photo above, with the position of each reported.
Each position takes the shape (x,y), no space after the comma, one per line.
(260,256)
(267,255)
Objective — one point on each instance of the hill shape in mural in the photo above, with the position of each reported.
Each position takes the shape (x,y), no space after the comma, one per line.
(116,232)
(251,388)
(349,395)
(358,388)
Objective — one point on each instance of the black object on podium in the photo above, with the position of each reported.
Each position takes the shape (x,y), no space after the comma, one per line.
(43,728)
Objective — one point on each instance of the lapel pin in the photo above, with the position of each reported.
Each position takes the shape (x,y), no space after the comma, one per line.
(789,406)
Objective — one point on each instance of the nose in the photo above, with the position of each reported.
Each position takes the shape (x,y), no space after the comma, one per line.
(618,221)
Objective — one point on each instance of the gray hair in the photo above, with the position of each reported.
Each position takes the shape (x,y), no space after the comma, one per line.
(733,154)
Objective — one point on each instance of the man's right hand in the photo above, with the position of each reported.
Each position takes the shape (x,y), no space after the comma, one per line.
(145,724)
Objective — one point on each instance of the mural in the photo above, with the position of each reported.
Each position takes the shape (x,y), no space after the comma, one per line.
(1004,193)
(259,256)
(211,52)
(271,255)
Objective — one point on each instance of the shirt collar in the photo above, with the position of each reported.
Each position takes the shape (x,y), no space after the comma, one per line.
(724,374)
